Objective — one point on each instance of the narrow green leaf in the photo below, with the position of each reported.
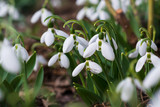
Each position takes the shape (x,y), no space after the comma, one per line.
(3,75)
(15,82)
(89,82)
(30,64)
(39,81)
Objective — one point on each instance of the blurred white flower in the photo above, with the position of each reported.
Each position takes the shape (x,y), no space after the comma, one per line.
(39,60)
(90,66)
(126,88)
(43,14)
(8,9)
(155,101)
(9,60)
(152,78)
(21,52)
(141,49)
(56,3)
(62,59)
(72,41)
(82,2)
(48,36)
(99,45)
(150,57)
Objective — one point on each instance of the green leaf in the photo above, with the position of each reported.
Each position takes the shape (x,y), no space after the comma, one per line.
(30,64)
(39,81)
(15,82)
(88,96)
(89,82)
(3,75)
(101,84)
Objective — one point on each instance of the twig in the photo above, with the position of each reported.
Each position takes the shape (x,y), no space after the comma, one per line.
(150,15)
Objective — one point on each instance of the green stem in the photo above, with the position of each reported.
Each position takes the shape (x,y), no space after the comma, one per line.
(82,80)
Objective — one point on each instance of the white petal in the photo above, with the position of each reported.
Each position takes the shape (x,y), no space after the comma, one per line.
(3,9)
(155,101)
(61,33)
(115,44)
(138,44)
(36,16)
(80,49)
(134,54)
(90,50)
(115,4)
(153,46)
(78,69)
(64,61)
(142,48)
(139,85)
(45,14)
(13,12)
(68,44)
(9,60)
(49,38)
(101,5)
(94,16)
(82,41)
(155,60)
(120,86)
(42,40)
(41,59)
(94,67)
(93,39)
(53,60)
(103,15)
(81,14)
(107,51)
(152,78)
(89,12)
(141,62)
(80,2)
(94,1)
(24,53)
(127,91)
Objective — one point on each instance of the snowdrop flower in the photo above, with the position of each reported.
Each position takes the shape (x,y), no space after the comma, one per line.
(62,59)
(48,36)
(56,3)
(126,88)
(82,2)
(72,41)
(155,101)
(152,78)
(141,49)
(21,52)
(8,9)
(138,2)
(9,60)
(39,60)
(99,45)
(90,66)
(149,57)
(43,13)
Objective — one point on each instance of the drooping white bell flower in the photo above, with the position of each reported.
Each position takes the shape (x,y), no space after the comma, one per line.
(90,66)
(152,78)
(39,60)
(62,59)
(48,36)
(80,2)
(95,37)
(139,85)
(21,52)
(150,57)
(72,41)
(43,14)
(155,100)
(8,9)
(56,3)
(100,45)
(9,60)
(141,49)
(126,89)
